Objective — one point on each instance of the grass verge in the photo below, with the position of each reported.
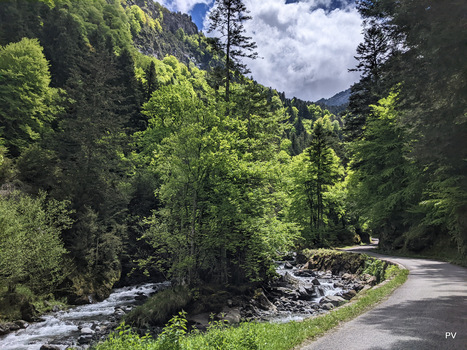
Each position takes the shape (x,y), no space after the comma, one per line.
(256,336)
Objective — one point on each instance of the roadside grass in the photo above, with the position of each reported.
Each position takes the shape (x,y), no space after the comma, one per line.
(256,335)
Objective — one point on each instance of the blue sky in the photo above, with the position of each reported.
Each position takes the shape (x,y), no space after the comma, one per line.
(307,46)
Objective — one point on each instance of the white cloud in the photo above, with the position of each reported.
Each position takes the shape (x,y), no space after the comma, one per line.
(307,51)
(307,46)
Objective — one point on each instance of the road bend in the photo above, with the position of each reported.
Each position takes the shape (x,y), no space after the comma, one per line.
(429,311)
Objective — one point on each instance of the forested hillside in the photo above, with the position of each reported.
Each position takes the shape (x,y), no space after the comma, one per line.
(129,152)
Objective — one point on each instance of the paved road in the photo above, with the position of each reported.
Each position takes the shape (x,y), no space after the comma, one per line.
(428,312)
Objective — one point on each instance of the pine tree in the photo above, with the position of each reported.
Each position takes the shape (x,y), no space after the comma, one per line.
(227,18)
(372,54)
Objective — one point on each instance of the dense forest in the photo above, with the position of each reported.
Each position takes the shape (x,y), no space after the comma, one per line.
(132,147)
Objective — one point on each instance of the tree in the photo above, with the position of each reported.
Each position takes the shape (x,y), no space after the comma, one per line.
(372,54)
(384,183)
(323,172)
(89,148)
(227,18)
(151,81)
(31,250)
(28,104)
(432,99)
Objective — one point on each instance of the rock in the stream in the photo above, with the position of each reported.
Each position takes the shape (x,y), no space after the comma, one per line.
(8,327)
(263,301)
(333,299)
(28,312)
(87,331)
(22,324)
(50,347)
(349,294)
(85,339)
(305,273)
(288,266)
(316,282)
(327,306)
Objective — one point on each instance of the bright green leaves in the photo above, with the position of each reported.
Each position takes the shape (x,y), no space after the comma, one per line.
(385,174)
(27,103)
(220,186)
(31,251)
(316,174)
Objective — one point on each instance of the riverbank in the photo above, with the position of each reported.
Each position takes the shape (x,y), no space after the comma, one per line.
(79,326)
(264,335)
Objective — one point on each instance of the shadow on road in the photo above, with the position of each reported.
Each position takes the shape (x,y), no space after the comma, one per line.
(414,327)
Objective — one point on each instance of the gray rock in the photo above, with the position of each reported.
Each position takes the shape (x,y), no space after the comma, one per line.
(316,282)
(22,324)
(263,301)
(87,331)
(231,315)
(333,299)
(85,339)
(50,347)
(349,294)
(327,306)
(56,308)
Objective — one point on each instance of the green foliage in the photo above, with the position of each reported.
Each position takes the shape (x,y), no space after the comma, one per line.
(385,185)
(317,190)
(173,333)
(272,336)
(31,251)
(426,60)
(158,309)
(377,268)
(27,102)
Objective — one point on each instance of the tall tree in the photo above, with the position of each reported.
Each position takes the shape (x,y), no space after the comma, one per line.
(89,148)
(372,54)
(227,19)
(384,182)
(28,104)
(324,170)
(432,99)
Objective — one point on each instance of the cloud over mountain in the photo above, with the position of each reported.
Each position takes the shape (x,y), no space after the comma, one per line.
(307,46)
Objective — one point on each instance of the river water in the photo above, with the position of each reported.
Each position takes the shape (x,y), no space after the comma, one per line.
(327,287)
(64,328)
(69,327)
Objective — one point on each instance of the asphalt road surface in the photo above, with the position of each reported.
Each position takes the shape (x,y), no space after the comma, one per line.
(429,311)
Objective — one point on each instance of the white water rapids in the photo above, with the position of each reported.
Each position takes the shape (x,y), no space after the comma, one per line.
(62,328)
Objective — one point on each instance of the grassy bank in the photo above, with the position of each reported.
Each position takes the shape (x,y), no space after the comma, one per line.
(254,335)
(13,305)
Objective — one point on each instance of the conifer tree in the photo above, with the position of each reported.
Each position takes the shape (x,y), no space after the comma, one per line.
(227,18)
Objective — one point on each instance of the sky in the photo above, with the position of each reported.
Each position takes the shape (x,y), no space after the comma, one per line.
(305,47)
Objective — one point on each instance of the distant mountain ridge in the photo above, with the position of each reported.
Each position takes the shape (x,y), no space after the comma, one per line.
(339,99)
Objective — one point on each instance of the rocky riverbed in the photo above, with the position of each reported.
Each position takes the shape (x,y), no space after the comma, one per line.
(79,326)
(315,286)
